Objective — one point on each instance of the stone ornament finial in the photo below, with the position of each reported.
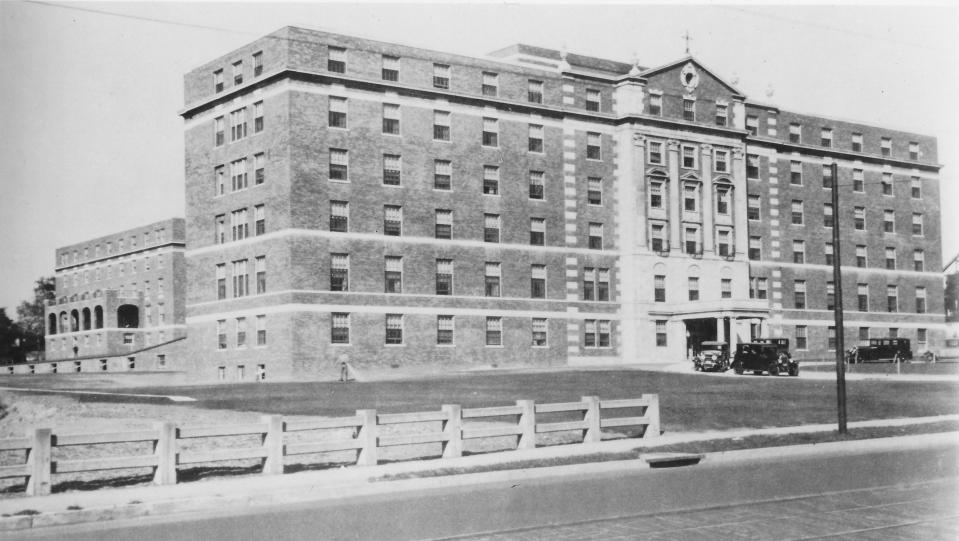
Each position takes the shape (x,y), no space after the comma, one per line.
(673,144)
(706,148)
(639,139)
(739,152)
(635,71)
(563,62)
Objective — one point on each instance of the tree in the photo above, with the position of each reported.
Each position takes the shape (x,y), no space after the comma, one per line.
(30,314)
(9,339)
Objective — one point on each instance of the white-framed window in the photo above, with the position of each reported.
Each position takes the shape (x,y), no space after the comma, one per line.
(392,220)
(238,176)
(592,99)
(441,125)
(595,241)
(797,212)
(692,239)
(691,196)
(655,152)
(537,231)
(795,133)
(490,180)
(494,331)
(339,165)
(259,166)
(336,59)
(444,224)
(661,335)
(655,104)
(241,332)
(535,92)
(239,224)
(340,328)
(538,281)
(221,281)
(892,298)
(238,124)
(441,76)
(339,111)
(392,169)
(539,328)
(724,244)
(827,180)
(490,83)
(795,173)
(393,277)
(536,138)
(858,181)
(722,114)
(221,340)
(799,294)
(593,146)
(917,224)
(493,275)
(339,272)
(689,109)
(259,220)
(752,124)
(861,256)
(257,63)
(537,185)
(259,265)
(724,199)
(690,160)
(753,207)
(390,68)
(825,137)
(258,117)
(241,278)
(755,248)
(857,142)
(890,258)
(491,227)
(828,216)
(490,132)
(799,251)
(915,188)
(391,119)
(859,218)
(887,188)
(594,191)
(218,81)
(721,161)
(918,260)
(920,300)
(261,330)
(442,175)
(889,221)
(444,330)
(339,216)
(885,146)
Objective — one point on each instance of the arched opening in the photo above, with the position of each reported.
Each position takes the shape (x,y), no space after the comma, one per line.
(98,317)
(86,319)
(74,320)
(52,324)
(64,322)
(128,316)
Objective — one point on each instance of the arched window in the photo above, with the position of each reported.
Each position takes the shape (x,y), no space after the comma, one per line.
(86,319)
(658,189)
(692,193)
(74,320)
(52,324)
(128,316)
(724,198)
(98,317)
(64,322)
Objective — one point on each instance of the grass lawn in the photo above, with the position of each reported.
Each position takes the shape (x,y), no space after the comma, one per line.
(688,402)
(918,368)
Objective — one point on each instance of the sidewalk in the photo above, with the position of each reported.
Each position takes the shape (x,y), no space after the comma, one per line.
(133,502)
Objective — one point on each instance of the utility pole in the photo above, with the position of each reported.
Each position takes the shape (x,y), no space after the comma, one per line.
(837,302)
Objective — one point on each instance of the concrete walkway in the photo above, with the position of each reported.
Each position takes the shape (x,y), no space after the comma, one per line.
(141,501)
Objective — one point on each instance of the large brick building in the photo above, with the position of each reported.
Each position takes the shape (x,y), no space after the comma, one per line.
(404,206)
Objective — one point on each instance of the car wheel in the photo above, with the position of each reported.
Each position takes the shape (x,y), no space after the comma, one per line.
(738,368)
(774,369)
(794,371)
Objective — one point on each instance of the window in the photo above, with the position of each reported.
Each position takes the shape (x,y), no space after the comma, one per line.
(592,99)
(261,330)
(595,236)
(656,196)
(887,184)
(921,337)
(221,334)
(336,62)
(830,295)
(893,332)
(339,216)
(537,231)
(494,331)
(238,124)
(257,63)
(441,125)
(859,218)
(391,119)
(655,152)
(889,221)
(689,157)
(492,274)
(918,260)
(441,76)
(690,196)
(797,212)
(795,133)
(724,242)
(892,298)
(391,68)
(594,191)
(827,176)
(857,142)
(219,181)
(339,165)
(536,185)
(539,329)
(444,330)
(589,283)
(693,286)
(535,138)
(825,138)
(238,177)
(490,132)
(829,253)
(394,329)
(689,109)
(861,255)
(723,199)
(241,332)
(915,188)
(885,146)
(795,173)
(241,278)
(444,276)
(752,124)
(218,81)
(491,226)
(799,251)
(260,267)
(597,333)
(753,207)
(490,180)
(726,288)
(801,337)
(752,166)
(442,174)
(339,272)
(661,333)
(340,328)
(393,277)
(831,338)
(828,217)
(721,161)
(722,114)
(444,224)
(659,288)
(857,181)
(658,237)
(535,93)
(655,104)
(221,281)
(392,220)
(602,285)
(219,224)
(259,166)
(913,151)
(759,288)
(799,294)
(392,169)
(338,112)
(258,117)
(259,220)
(755,248)
(490,83)
(920,300)
(239,224)
(538,282)
(593,151)
(917,224)
(863,335)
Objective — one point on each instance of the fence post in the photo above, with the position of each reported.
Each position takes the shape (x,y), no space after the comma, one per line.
(367,438)
(652,414)
(527,425)
(273,445)
(165,452)
(453,428)
(39,463)
(591,416)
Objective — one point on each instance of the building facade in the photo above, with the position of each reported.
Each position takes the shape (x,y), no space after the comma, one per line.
(120,303)
(401,206)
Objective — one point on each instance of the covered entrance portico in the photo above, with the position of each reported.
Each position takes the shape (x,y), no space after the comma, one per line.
(730,322)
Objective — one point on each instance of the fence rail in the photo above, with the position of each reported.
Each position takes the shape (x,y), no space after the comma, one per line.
(456,425)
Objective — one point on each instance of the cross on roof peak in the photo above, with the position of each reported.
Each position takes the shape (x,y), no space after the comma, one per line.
(688,38)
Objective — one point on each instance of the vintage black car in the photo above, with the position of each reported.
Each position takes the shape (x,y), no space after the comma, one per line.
(761,358)
(712,357)
(782,344)
(881,349)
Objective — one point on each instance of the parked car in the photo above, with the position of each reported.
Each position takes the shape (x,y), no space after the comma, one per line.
(782,344)
(759,358)
(881,349)
(712,357)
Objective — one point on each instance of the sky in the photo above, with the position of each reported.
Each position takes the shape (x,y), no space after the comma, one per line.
(92,141)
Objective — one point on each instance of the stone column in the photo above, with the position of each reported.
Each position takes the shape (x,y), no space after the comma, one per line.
(732,334)
(720,329)
(739,203)
(675,189)
(706,169)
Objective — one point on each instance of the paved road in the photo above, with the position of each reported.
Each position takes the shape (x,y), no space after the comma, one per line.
(871,495)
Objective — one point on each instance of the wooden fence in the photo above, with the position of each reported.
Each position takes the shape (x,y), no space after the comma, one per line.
(456,424)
